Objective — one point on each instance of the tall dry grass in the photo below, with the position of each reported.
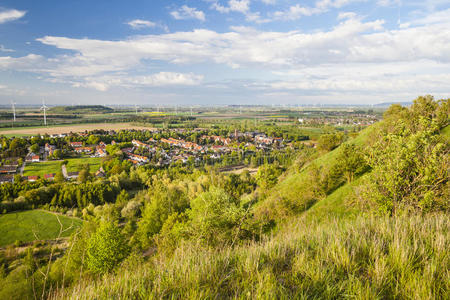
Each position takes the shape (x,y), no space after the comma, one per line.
(405,257)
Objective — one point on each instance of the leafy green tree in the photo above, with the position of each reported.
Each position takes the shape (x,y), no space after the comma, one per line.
(93,140)
(34,148)
(106,248)
(267,176)
(351,161)
(83,175)
(410,170)
(330,141)
(163,202)
(215,217)
(59,177)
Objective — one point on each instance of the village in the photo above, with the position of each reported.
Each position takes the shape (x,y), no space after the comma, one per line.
(160,152)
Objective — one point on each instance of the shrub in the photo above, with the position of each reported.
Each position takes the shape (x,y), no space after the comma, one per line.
(106,248)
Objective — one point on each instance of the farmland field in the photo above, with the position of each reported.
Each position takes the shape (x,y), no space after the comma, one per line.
(22,226)
(68,128)
(75,163)
(42,168)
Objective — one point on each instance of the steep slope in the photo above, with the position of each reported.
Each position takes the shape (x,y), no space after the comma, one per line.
(294,193)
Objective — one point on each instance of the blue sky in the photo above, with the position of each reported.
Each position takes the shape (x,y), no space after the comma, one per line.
(223,52)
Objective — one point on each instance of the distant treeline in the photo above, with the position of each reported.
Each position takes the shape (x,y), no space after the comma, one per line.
(76,109)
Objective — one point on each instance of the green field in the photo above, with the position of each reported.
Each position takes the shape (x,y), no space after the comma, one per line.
(22,226)
(42,168)
(75,163)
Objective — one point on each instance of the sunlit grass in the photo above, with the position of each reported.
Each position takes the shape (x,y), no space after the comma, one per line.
(364,258)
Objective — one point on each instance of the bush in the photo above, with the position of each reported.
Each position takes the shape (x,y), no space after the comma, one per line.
(106,248)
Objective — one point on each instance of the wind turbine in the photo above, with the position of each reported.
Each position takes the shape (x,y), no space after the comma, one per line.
(136,108)
(44,108)
(14,110)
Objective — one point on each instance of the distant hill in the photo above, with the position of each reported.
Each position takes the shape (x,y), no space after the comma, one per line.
(77,109)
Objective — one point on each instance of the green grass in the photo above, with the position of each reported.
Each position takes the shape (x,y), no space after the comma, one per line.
(75,163)
(21,225)
(42,168)
(362,258)
(293,193)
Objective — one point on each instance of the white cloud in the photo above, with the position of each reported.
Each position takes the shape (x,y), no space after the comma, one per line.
(3,49)
(185,12)
(297,11)
(351,57)
(139,24)
(389,2)
(370,78)
(346,15)
(439,17)
(241,6)
(11,15)
(161,79)
(351,41)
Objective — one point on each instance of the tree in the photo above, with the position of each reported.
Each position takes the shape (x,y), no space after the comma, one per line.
(267,176)
(34,148)
(330,141)
(410,170)
(106,248)
(214,217)
(84,175)
(59,177)
(93,140)
(351,161)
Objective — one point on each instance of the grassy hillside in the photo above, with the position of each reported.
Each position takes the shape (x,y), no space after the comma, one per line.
(364,258)
(343,253)
(23,226)
(293,191)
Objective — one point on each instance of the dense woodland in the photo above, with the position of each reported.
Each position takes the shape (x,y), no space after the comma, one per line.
(361,215)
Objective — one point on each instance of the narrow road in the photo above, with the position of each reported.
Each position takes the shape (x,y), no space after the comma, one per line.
(64,171)
(22,168)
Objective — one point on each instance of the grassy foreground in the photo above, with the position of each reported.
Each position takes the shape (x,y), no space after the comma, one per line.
(364,258)
(23,225)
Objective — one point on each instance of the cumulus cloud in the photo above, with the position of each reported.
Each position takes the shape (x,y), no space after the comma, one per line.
(355,55)
(161,79)
(139,24)
(11,15)
(185,12)
(297,11)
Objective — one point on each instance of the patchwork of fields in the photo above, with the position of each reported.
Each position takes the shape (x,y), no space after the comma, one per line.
(29,131)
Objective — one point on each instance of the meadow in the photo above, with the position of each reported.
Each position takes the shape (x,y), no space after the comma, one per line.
(25,226)
(42,168)
(75,163)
